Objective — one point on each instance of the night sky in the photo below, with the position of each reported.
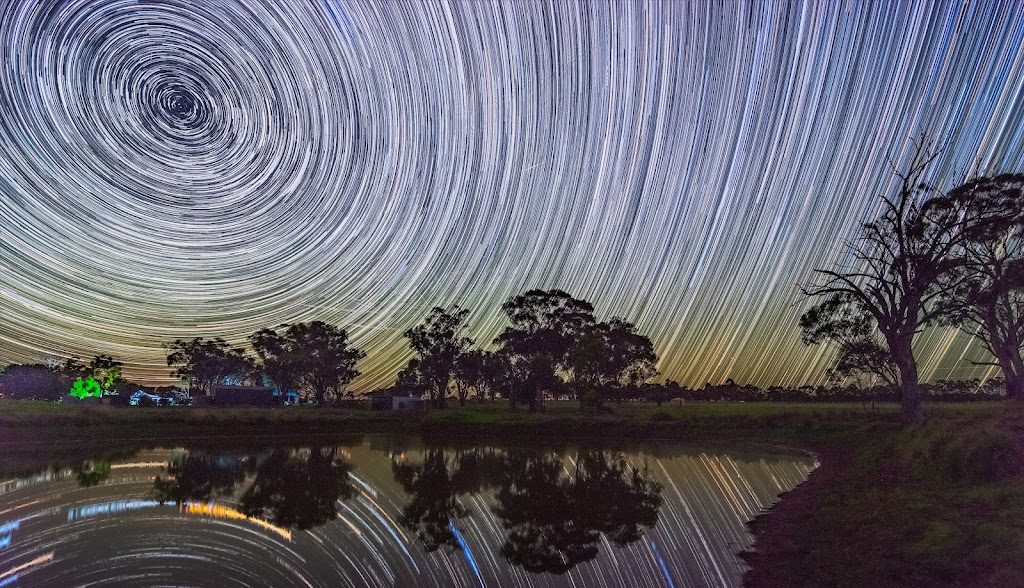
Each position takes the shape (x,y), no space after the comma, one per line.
(178,168)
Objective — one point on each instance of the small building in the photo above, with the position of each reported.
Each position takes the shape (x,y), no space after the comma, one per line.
(288,398)
(225,395)
(403,403)
(380,402)
(408,403)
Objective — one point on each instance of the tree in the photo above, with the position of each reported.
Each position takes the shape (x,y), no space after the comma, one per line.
(199,476)
(33,382)
(471,373)
(555,521)
(900,263)
(322,360)
(299,488)
(988,300)
(72,367)
(439,345)
(203,364)
(853,333)
(85,388)
(281,361)
(433,505)
(545,327)
(612,353)
(105,370)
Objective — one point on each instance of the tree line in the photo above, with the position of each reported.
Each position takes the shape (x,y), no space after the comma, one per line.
(929,258)
(554,345)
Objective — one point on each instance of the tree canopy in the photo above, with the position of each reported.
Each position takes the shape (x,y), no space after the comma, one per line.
(439,347)
(203,364)
(987,295)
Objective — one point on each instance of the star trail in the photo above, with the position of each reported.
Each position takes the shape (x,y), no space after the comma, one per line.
(176,168)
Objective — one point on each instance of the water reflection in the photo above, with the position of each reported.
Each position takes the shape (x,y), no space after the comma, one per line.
(554,520)
(198,476)
(298,488)
(384,513)
(553,515)
(92,472)
(290,488)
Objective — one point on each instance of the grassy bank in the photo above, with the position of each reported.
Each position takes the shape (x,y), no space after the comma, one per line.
(940,504)
(27,422)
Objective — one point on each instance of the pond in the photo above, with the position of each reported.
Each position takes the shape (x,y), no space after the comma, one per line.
(392,512)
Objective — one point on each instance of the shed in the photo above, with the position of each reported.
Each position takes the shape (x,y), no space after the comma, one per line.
(243,395)
(408,403)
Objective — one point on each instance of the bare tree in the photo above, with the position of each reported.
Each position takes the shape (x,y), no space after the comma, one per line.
(903,263)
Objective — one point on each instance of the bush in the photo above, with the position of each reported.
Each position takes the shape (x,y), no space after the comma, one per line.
(33,382)
(661,417)
(590,399)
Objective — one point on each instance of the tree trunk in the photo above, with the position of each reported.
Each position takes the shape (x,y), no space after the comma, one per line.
(1010,362)
(440,391)
(910,392)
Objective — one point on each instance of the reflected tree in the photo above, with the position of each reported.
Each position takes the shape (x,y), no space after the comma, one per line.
(435,486)
(200,477)
(298,488)
(92,473)
(554,519)
(434,503)
(546,531)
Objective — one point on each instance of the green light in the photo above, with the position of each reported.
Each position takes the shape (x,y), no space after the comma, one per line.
(86,387)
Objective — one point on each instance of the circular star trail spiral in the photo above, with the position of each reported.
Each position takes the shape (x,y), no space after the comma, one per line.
(181,168)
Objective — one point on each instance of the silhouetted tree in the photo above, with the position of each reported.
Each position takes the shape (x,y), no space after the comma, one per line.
(896,277)
(989,299)
(313,355)
(545,327)
(298,488)
(410,380)
(72,367)
(611,353)
(203,364)
(858,350)
(471,373)
(439,345)
(281,362)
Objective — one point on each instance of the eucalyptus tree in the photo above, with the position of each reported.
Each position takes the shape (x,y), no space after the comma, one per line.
(904,263)
(544,328)
(987,299)
(314,356)
(203,364)
(438,345)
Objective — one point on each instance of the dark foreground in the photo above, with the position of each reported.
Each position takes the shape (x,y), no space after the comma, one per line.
(941,504)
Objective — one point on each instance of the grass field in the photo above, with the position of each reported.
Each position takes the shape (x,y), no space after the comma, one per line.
(939,504)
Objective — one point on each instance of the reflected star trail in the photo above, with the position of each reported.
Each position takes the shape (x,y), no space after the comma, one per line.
(175,168)
(117,532)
